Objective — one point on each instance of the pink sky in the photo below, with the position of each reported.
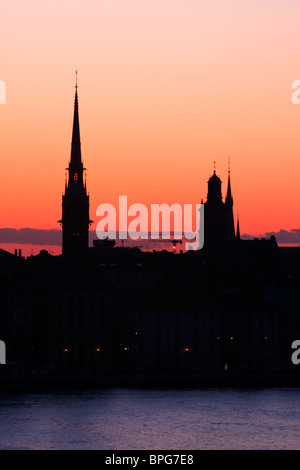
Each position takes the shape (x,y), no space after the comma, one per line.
(166,87)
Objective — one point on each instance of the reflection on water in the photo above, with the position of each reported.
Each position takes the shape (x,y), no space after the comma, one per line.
(152,419)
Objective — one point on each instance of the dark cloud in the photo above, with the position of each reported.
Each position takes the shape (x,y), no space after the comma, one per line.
(286,236)
(282,236)
(53,237)
(31,236)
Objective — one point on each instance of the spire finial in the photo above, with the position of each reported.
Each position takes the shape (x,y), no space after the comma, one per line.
(76,86)
(76,150)
(228,164)
(214,167)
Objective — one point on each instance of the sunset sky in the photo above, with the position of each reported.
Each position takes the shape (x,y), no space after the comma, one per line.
(165,87)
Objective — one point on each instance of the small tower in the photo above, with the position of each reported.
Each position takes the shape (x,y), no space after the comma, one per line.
(75,203)
(214,193)
(229,220)
(218,220)
(213,213)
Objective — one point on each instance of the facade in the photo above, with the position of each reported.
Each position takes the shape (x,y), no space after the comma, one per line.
(146,313)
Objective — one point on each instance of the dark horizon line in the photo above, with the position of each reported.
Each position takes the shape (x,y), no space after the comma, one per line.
(52,237)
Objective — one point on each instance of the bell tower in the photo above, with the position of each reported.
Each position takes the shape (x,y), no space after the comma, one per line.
(75,202)
(219,231)
(213,210)
(229,219)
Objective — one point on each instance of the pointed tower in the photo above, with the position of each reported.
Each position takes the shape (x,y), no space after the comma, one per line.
(238,236)
(75,203)
(229,220)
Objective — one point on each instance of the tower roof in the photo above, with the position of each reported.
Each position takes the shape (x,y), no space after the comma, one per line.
(75,161)
(214,194)
(229,195)
(214,177)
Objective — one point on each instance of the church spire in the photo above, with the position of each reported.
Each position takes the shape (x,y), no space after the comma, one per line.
(75,161)
(75,205)
(238,236)
(229,199)
(229,209)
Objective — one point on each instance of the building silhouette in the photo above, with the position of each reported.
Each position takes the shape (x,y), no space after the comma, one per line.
(219,232)
(105,315)
(75,203)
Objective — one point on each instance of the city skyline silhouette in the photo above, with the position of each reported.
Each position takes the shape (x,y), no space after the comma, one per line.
(114,314)
(149,227)
(76,168)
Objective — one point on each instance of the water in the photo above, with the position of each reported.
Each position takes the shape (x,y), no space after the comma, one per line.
(124,419)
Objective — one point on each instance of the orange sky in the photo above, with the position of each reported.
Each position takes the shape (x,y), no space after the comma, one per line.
(166,87)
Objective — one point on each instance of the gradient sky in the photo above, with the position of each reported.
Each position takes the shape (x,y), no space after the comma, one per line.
(165,87)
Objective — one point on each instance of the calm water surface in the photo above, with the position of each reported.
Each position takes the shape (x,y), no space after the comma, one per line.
(123,419)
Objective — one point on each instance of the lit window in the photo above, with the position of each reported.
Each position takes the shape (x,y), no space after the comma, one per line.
(75,177)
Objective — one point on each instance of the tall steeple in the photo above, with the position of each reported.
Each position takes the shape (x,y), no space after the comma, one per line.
(75,166)
(75,160)
(229,220)
(229,199)
(238,236)
(75,205)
